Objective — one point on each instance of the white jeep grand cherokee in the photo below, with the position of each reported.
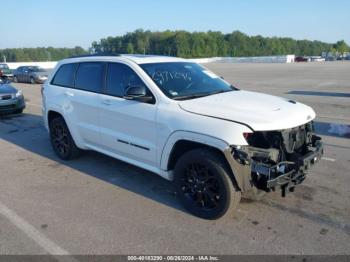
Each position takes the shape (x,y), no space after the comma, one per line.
(182,122)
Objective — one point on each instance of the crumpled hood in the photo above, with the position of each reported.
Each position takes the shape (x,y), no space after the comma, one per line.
(7,89)
(261,112)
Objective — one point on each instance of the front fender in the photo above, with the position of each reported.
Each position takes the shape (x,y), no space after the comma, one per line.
(206,140)
(74,133)
(192,137)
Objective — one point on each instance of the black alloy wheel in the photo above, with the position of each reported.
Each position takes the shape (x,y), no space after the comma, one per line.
(204,184)
(61,140)
(200,185)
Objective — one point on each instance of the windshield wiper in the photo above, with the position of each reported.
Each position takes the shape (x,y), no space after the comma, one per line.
(219,92)
(200,95)
(191,96)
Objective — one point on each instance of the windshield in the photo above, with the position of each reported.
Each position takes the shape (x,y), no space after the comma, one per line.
(185,80)
(37,69)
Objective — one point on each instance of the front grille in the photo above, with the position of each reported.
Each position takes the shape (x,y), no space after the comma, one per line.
(5,97)
(7,107)
(295,138)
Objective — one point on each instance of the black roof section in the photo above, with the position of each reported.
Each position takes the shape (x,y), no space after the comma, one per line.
(92,55)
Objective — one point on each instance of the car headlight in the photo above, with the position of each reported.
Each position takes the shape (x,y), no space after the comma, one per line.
(19,93)
(42,77)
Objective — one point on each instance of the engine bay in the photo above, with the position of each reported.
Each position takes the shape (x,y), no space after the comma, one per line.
(280,158)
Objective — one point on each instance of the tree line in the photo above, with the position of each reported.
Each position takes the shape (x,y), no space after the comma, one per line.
(183,44)
(39,54)
(210,44)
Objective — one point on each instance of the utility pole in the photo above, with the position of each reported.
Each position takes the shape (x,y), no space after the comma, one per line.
(4,58)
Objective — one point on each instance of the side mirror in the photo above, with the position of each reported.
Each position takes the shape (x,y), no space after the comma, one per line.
(137,93)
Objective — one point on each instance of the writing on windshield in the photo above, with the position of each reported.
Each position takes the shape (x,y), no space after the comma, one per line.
(185,79)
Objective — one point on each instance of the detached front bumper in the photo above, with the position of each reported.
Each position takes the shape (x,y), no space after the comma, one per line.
(269,175)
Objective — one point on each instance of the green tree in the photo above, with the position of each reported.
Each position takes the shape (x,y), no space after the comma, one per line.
(130,48)
(181,43)
(341,47)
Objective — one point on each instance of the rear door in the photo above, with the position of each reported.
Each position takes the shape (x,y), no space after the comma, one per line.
(85,100)
(128,128)
(78,86)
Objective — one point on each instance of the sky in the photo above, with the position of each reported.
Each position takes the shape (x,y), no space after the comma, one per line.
(69,23)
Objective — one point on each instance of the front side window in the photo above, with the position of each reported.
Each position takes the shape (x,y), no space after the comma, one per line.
(89,76)
(65,75)
(120,77)
(185,80)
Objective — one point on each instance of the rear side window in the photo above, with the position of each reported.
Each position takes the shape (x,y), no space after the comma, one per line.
(120,77)
(89,76)
(65,75)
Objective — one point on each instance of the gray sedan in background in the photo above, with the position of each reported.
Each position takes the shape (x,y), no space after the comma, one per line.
(30,74)
(11,99)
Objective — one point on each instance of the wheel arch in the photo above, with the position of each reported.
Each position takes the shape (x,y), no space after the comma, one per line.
(52,114)
(183,141)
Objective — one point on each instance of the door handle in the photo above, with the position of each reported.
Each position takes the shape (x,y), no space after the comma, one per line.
(106,102)
(67,93)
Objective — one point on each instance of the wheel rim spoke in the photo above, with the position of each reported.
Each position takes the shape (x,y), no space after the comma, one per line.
(60,139)
(201,186)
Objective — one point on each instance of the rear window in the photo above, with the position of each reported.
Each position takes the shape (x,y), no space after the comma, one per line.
(89,76)
(65,75)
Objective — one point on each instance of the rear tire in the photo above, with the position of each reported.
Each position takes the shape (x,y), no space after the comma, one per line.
(62,141)
(15,79)
(204,184)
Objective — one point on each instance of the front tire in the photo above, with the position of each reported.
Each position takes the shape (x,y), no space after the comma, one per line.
(204,185)
(62,141)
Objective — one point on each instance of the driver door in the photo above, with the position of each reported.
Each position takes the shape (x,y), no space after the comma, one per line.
(128,127)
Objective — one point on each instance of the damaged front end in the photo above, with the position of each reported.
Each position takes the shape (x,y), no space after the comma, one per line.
(277,159)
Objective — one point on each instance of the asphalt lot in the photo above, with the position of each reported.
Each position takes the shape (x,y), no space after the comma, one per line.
(99,205)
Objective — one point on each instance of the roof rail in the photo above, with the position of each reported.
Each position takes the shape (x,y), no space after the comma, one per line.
(92,55)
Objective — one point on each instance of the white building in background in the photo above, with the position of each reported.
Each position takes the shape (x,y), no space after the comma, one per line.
(46,65)
(255,59)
